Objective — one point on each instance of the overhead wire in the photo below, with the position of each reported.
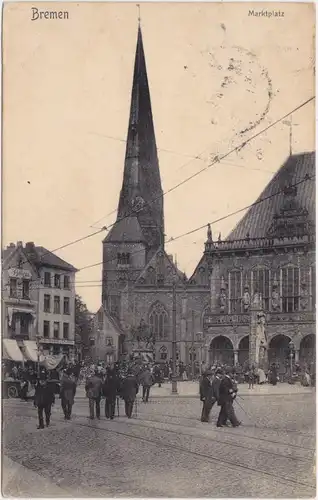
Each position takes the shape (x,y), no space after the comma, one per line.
(216,160)
(257,202)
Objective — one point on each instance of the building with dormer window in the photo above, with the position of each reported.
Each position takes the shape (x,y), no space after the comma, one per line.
(38,302)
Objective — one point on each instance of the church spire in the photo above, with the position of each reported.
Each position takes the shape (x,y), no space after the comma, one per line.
(141,190)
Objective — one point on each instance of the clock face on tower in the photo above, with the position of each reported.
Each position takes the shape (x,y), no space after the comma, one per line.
(138,203)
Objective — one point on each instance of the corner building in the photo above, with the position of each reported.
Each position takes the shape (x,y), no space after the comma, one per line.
(38,303)
(271,252)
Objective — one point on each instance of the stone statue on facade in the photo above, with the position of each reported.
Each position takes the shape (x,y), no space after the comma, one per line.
(304,296)
(257,301)
(246,299)
(275,298)
(261,339)
(222,298)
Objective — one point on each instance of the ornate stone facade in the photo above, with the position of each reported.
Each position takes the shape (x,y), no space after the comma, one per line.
(271,252)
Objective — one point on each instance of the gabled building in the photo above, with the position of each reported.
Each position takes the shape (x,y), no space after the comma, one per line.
(38,301)
(270,252)
(106,337)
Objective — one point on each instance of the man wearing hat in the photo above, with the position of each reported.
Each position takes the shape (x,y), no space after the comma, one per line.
(67,393)
(208,394)
(129,391)
(227,394)
(111,388)
(44,398)
(93,388)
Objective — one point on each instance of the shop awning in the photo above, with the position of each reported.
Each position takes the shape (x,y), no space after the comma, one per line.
(30,351)
(11,350)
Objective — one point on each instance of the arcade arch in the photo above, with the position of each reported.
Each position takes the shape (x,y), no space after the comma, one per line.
(243,350)
(278,351)
(221,351)
(307,352)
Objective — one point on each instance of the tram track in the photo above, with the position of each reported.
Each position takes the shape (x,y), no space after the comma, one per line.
(278,429)
(237,433)
(207,457)
(235,445)
(228,431)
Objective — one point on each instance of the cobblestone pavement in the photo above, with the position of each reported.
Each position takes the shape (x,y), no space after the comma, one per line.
(163,451)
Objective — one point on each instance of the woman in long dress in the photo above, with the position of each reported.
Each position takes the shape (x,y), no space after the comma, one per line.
(306,379)
(261,376)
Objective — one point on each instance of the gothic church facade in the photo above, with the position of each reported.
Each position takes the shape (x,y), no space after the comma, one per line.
(271,251)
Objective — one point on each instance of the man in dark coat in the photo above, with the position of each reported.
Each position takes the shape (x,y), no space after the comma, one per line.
(129,391)
(67,393)
(157,374)
(44,398)
(93,389)
(206,395)
(273,374)
(146,380)
(110,390)
(209,393)
(227,394)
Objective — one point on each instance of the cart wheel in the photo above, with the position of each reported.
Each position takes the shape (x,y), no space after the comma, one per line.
(12,391)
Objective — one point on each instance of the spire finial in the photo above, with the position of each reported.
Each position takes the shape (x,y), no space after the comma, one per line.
(209,233)
(291,135)
(290,125)
(139,18)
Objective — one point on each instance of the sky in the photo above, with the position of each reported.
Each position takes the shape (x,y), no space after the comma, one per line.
(217,77)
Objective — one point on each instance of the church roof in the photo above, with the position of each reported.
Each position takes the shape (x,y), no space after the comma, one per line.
(258,219)
(126,230)
(47,258)
(163,268)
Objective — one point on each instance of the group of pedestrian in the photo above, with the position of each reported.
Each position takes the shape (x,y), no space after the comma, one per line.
(45,392)
(219,387)
(111,386)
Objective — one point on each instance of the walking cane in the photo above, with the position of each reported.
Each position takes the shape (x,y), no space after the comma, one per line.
(117,399)
(136,407)
(243,410)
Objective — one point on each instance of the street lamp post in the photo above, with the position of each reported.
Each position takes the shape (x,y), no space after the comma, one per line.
(174,389)
(200,340)
(38,337)
(291,356)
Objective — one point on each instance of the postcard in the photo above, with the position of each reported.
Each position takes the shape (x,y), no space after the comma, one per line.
(158,256)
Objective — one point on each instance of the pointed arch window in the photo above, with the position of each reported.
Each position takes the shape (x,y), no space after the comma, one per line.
(123,259)
(202,276)
(192,354)
(163,353)
(261,284)
(151,275)
(290,288)
(158,321)
(235,292)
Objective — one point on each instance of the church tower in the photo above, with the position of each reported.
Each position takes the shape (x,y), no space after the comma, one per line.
(139,228)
